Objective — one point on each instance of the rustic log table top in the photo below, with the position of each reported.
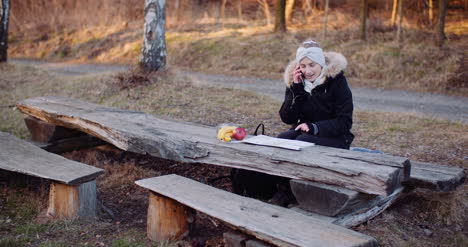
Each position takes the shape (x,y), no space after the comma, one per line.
(180,141)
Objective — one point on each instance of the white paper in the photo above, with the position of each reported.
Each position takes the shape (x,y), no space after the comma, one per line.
(277,142)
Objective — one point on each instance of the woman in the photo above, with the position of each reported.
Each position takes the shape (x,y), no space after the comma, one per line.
(318,104)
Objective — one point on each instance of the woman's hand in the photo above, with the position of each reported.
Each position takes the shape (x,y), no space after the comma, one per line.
(302,127)
(297,75)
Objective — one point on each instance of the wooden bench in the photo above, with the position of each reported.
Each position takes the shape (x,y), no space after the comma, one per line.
(168,215)
(354,177)
(73,189)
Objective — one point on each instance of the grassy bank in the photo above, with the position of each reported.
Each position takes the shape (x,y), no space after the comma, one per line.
(170,96)
(414,64)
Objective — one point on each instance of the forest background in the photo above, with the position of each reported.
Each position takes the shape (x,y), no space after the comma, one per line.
(235,37)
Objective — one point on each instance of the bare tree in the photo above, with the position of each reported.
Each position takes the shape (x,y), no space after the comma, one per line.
(239,9)
(364,10)
(289,10)
(306,8)
(394,12)
(177,10)
(431,11)
(400,20)
(440,36)
(266,9)
(154,40)
(325,22)
(223,10)
(4,14)
(280,16)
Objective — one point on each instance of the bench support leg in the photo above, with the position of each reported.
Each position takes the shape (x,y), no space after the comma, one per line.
(72,201)
(167,218)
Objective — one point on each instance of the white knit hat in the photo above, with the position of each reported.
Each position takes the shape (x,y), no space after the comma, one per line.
(311,50)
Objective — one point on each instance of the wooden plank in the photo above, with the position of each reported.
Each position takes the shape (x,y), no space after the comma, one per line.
(142,133)
(436,177)
(272,224)
(20,156)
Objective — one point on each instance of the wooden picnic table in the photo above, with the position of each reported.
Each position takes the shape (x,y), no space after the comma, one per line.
(180,141)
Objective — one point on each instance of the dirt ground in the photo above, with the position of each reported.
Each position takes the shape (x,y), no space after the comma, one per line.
(125,204)
(411,221)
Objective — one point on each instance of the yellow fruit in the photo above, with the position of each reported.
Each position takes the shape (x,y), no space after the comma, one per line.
(224,130)
(227,137)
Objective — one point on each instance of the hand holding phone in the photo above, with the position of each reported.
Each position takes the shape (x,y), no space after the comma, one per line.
(298,76)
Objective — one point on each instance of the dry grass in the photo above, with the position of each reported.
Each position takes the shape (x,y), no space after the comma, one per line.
(172,97)
(416,64)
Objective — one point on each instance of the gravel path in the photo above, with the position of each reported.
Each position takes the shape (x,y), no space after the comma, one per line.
(423,104)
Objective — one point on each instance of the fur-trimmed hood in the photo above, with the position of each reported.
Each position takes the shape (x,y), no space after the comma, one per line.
(335,63)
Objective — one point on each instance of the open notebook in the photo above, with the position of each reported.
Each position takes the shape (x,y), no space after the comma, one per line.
(277,142)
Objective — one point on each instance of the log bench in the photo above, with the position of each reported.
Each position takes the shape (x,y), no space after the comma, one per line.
(173,199)
(351,182)
(72,191)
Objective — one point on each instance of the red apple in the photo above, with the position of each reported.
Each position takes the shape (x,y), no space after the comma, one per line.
(239,133)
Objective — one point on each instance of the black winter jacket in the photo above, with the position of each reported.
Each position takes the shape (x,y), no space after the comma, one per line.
(329,106)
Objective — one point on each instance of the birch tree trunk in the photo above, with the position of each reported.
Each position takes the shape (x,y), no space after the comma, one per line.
(154,39)
(325,22)
(289,10)
(280,16)
(440,35)
(364,9)
(4,14)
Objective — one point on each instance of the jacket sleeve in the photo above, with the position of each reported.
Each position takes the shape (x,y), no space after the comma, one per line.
(343,106)
(290,111)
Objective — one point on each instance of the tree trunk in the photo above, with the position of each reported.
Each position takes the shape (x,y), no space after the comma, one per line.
(177,11)
(280,16)
(4,14)
(239,9)
(394,12)
(223,10)
(154,40)
(431,11)
(400,19)
(289,10)
(307,10)
(266,9)
(364,9)
(324,35)
(440,37)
